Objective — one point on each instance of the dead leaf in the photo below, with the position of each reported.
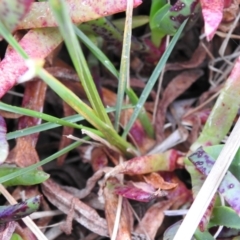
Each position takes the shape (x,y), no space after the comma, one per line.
(180,194)
(174,89)
(84,214)
(197,59)
(158,182)
(111,206)
(153,218)
(91,182)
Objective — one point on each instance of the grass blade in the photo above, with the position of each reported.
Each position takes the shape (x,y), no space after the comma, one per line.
(60,10)
(153,79)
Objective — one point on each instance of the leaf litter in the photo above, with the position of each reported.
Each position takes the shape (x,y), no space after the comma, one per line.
(87,184)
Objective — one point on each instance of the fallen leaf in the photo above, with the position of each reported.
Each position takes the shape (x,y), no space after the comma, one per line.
(84,214)
(174,89)
(197,59)
(153,219)
(111,207)
(158,182)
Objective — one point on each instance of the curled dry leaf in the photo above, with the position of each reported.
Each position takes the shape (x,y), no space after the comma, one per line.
(197,59)
(174,89)
(84,214)
(3,141)
(212,11)
(91,182)
(153,218)
(158,182)
(180,194)
(111,207)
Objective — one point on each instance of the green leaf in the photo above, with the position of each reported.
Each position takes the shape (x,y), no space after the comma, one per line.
(15,236)
(225,216)
(23,171)
(28,179)
(203,235)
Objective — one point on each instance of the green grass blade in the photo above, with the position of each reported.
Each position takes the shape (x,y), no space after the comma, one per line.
(96,52)
(79,106)
(32,113)
(153,79)
(143,117)
(49,125)
(60,10)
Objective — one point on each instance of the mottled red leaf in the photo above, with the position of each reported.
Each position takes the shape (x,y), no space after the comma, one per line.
(167,161)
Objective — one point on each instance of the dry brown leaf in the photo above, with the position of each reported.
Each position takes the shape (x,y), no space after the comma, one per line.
(174,89)
(24,153)
(111,206)
(153,218)
(84,214)
(158,182)
(197,59)
(91,182)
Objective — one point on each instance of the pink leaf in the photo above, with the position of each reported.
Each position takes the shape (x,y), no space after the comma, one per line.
(212,11)
(141,192)
(3,141)
(38,44)
(80,11)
